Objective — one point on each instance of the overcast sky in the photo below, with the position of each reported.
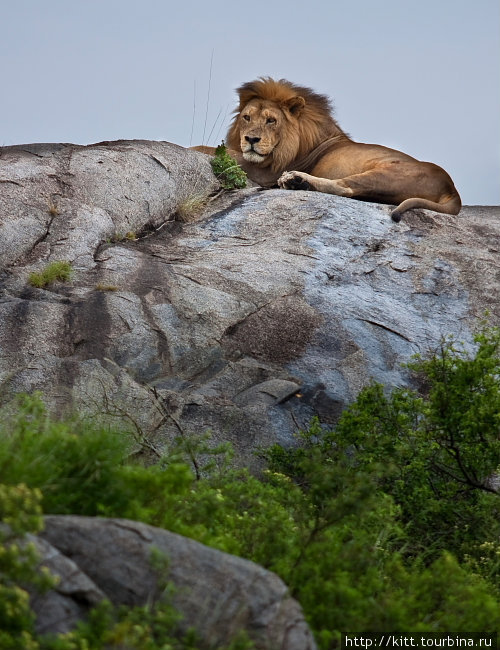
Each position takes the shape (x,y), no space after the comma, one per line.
(422,76)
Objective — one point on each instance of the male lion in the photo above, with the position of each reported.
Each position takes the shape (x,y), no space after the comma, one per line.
(280,126)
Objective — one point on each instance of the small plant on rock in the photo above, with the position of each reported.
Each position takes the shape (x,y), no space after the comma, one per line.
(55,271)
(106,287)
(227,170)
(53,209)
(189,209)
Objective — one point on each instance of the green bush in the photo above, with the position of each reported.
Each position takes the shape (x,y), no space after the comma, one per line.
(83,469)
(407,477)
(228,172)
(387,524)
(436,451)
(20,513)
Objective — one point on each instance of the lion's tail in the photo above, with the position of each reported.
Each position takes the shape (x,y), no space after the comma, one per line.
(451,205)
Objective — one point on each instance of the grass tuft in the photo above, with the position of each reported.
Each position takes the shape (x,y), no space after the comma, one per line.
(106,287)
(53,209)
(55,272)
(190,208)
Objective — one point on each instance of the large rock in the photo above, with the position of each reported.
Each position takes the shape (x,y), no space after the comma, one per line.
(216,593)
(272,307)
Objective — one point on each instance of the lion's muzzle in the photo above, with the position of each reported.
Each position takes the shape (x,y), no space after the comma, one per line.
(250,149)
(253,156)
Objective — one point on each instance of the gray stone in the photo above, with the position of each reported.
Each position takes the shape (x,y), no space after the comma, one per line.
(216,593)
(60,609)
(269,308)
(271,392)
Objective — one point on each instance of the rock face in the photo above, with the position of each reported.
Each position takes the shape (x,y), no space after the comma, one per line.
(271,307)
(218,594)
(267,308)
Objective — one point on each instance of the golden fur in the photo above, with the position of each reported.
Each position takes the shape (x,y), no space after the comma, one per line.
(280,126)
(302,121)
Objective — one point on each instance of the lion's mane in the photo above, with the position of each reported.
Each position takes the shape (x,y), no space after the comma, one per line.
(298,137)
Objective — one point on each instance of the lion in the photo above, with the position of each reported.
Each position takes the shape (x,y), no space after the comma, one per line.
(285,135)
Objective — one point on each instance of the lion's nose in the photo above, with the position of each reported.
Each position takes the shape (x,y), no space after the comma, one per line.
(252,140)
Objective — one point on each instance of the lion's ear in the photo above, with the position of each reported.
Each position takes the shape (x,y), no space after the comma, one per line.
(295,105)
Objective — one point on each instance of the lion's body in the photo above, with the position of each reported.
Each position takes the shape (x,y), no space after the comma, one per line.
(285,134)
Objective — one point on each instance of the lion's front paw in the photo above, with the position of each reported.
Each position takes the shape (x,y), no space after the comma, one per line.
(294,181)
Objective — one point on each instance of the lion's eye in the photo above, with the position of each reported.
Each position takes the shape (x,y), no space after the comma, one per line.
(246,118)
(270,120)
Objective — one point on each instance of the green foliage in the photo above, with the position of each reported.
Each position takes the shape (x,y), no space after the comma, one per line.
(389,523)
(20,513)
(227,170)
(137,628)
(152,627)
(81,469)
(435,452)
(55,271)
(419,549)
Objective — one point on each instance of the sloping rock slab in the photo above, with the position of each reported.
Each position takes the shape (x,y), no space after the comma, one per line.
(218,594)
(273,307)
(60,201)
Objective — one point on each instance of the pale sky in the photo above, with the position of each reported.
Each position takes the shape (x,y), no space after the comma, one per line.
(422,76)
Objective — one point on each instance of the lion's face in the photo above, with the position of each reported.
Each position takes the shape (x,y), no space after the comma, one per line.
(260,126)
(267,131)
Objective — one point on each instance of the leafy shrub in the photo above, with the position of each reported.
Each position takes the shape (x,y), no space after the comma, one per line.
(152,627)
(55,271)
(20,513)
(82,469)
(436,452)
(227,170)
(424,523)
(389,523)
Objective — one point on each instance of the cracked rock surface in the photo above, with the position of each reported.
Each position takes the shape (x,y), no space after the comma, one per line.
(269,308)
